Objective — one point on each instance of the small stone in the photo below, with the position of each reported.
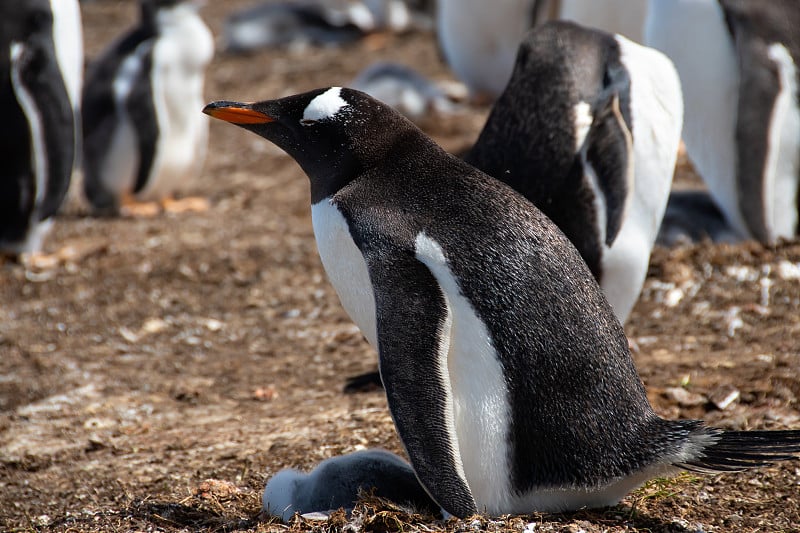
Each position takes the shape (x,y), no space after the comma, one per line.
(684,398)
(723,397)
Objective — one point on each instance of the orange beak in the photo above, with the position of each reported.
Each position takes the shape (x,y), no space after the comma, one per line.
(236,113)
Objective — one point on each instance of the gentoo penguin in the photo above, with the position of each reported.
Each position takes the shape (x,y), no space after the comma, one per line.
(588,129)
(313,22)
(624,17)
(142,136)
(479,41)
(738,62)
(508,377)
(336,482)
(404,89)
(37,140)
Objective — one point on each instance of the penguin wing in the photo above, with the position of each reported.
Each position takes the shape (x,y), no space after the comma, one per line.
(411,317)
(608,149)
(41,78)
(141,109)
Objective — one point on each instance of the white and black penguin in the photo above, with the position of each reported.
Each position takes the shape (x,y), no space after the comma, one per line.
(739,62)
(142,137)
(508,377)
(588,130)
(37,140)
(479,41)
(336,482)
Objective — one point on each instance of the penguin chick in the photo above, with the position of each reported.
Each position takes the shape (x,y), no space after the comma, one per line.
(142,138)
(336,482)
(588,130)
(37,140)
(507,375)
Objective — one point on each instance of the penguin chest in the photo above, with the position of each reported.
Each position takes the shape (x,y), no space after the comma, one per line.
(180,57)
(345,266)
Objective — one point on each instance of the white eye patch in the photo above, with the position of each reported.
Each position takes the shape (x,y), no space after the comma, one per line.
(326,105)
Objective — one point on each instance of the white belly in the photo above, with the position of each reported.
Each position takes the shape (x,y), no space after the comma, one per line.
(657,109)
(345,267)
(479,39)
(694,35)
(180,56)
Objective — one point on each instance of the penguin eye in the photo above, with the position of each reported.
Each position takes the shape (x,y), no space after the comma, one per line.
(307,122)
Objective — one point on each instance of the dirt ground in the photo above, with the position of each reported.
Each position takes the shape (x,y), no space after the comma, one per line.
(163,369)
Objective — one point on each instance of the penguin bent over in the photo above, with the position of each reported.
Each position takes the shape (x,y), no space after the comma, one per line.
(588,130)
(507,375)
(142,137)
(37,140)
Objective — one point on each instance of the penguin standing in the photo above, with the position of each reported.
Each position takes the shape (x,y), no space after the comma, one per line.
(479,41)
(508,376)
(739,62)
(588,130)
(624,17)
(37,140)
(142,137)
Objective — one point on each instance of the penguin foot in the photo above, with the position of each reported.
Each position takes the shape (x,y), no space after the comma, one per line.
(135,209)
(190,204)
(371,381)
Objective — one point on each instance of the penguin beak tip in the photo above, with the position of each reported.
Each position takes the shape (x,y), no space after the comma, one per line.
(236,113)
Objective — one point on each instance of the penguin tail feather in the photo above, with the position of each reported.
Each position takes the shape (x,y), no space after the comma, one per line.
(735,451)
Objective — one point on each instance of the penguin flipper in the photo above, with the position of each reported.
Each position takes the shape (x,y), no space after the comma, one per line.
(39,74)
(411,315)
(608,149)
(143,114)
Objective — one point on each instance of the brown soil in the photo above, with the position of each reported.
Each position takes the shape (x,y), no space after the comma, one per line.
(158,373)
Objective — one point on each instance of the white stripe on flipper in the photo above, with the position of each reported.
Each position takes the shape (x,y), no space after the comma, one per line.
(326,105)
(782,168)
(38,144)
(478,416)
(583,122)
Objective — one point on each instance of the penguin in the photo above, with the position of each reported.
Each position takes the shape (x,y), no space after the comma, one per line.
(37,141)
(624,17)
(692,216)
(336,482)
(507,375)
(315,22)
(738,61)
(142,140)
(479,41)
(405,89)
(588,129)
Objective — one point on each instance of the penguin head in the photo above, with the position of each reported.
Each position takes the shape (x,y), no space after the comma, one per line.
(335,134)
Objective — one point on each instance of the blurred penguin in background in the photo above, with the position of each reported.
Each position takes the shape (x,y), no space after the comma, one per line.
(479,39)
(143,137)
(623,17)
(738,61)
(37,140)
